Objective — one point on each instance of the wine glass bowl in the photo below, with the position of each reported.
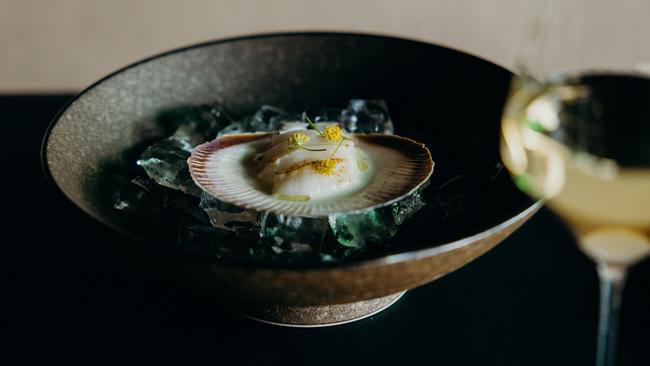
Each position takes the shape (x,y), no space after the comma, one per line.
(579,138)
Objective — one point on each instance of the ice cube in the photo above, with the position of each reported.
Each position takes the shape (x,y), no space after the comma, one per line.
(265,119)
(226,216)
(140,194)
(356,230)
(407,207)
(166,163)
(201,124)
(293,235)
(327,115)
(166,160)
(367,116)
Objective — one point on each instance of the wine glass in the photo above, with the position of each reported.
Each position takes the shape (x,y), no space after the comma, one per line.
(576,133)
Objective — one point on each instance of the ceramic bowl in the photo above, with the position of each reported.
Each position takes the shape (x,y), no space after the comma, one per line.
(449,100)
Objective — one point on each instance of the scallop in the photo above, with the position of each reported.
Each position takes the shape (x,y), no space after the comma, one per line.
(316,177)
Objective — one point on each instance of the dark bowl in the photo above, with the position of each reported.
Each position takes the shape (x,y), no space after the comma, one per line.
(446,99)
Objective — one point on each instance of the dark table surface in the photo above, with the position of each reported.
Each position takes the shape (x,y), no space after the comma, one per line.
(77,290)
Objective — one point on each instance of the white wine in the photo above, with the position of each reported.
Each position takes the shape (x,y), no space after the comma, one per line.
(582,144)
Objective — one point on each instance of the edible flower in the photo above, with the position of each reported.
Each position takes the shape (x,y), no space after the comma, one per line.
(332,133)
(325,166)
(298,140)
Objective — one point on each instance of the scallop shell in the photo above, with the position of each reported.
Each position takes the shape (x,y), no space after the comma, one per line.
(222,168)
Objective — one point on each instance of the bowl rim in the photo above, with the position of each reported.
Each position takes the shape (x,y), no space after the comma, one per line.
(387,259)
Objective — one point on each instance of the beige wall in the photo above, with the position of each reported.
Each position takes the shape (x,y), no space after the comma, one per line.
(51,45)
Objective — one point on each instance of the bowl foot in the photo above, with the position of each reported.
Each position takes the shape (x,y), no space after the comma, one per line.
(313,316)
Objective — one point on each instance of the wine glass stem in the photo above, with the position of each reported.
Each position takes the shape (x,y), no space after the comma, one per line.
(612,281)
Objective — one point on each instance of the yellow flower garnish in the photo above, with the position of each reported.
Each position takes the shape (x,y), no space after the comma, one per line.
(297,140)
(326,166)
(332,133)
